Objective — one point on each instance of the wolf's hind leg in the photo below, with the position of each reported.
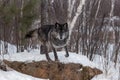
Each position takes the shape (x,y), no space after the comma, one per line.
(55,54)
(67,54)
(46,53)
(47,56)
(43,49)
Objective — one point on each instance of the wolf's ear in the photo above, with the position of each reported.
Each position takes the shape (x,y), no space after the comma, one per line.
(56,25)
(65,25)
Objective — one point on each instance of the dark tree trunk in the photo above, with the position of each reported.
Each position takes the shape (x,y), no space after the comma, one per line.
(44,20)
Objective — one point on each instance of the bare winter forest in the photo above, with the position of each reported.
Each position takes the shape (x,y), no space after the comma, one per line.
(94,24)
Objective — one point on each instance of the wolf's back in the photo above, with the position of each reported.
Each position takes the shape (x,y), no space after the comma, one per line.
(32,34)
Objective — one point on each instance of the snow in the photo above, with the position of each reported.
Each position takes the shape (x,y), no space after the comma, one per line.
(109,71)
(11,48)
(36,56)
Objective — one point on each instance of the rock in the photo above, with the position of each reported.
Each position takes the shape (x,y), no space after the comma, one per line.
(55,70)
(3,67)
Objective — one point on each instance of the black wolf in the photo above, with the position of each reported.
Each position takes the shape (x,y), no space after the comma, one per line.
(54,36)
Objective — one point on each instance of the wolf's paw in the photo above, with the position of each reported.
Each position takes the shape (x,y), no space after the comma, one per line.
(49,60)
(56,60)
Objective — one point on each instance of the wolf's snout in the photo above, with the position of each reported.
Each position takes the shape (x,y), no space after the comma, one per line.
(61,37)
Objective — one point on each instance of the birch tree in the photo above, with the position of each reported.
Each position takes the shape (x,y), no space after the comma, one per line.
(71,21)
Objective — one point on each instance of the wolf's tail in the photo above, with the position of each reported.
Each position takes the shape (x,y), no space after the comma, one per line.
(31,34)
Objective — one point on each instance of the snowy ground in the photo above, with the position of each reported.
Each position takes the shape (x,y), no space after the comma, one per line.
(110,72)
(36,56)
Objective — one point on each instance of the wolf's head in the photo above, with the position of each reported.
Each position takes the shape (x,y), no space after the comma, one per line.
(61,31)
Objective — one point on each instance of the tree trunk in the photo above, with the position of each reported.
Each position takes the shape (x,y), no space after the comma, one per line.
(44,20)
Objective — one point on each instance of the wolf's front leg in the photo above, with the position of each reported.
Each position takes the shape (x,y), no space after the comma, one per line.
(67,54)
(45,50)
(47,56)
(55,54)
